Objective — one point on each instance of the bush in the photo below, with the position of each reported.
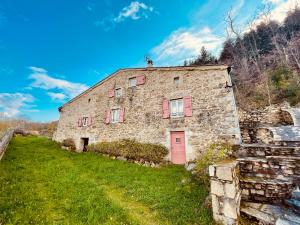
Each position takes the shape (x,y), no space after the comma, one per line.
(131,149)
(69,142)
(216,152)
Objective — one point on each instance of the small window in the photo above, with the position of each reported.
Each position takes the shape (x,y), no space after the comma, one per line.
(115,115)
(176,81)
(132,82)
(118,92)
(89,100)
(85,121)
(177,108)
(177,140)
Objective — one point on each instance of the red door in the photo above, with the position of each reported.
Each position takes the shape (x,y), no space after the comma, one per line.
(178,147)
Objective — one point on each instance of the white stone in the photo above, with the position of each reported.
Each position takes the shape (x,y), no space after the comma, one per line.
(211,170)
(224,173)
(230,190)
(215,204)
(230,209)
(245,192)
(190,167)
(216,188)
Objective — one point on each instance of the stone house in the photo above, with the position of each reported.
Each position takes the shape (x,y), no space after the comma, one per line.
(182,108)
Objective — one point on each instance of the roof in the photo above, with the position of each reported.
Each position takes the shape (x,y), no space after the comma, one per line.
(205,67)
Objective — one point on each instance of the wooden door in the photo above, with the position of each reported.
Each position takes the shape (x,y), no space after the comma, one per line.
(178,147)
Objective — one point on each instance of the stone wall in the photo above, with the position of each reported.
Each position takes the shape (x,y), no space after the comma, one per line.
(252,122)
(214,114)
(4,141)
(268,173)
(225,192)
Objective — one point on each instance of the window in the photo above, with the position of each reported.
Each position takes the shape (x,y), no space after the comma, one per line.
(177,108)
(115,115)
(85,121)
(132,82)
(89,100)
(118,92)
(176,81)
(177,140)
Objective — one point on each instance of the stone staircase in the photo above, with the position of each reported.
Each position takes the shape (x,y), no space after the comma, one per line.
(269,176)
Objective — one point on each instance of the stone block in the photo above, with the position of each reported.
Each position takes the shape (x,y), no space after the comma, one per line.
(230,209)
(224,173)
(217,187)
(211,170)
(230,190)
(215,204)
(245,192)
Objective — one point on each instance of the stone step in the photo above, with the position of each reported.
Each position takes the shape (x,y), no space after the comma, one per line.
(270,214)
(283,221)
(294,204)
(261,150)
(266,190)
(296,195)
(275,167)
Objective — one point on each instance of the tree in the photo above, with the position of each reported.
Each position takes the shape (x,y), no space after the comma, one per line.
(204,58)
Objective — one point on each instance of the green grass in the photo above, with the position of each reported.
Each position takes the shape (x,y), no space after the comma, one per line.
(42,184)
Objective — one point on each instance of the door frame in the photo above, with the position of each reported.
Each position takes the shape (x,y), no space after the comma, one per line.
(183,134)
(188,147)
(82,142)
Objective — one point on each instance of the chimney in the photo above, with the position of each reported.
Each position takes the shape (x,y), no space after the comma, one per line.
(149,62)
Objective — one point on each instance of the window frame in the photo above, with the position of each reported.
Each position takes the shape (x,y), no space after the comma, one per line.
(179,109)
(118,92)
(85,121)
(135,82)
(176,81)
(115,113)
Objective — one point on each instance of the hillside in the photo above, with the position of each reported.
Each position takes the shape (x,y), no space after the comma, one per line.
(265,60)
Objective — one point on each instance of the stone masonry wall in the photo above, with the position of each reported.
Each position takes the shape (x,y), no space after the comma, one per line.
(252,121)
(214,110)
(225,192)
(268,173)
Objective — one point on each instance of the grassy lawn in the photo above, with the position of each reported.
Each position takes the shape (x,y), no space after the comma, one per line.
(42,184)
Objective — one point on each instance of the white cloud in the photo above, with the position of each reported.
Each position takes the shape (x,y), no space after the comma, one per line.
(184,44)
(272,1)
(12,104)
(44,81)
(135,11)
(57,96)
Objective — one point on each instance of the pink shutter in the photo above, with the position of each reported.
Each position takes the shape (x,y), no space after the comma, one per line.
(90,121)
(140,80)
(121,115)
(107,120)
(111,93)
(166,111)
(187,102)
(79,122)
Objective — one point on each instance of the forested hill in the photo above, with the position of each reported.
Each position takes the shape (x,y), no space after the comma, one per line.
(265,61)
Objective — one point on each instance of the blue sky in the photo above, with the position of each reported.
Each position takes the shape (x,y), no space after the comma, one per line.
(52,50)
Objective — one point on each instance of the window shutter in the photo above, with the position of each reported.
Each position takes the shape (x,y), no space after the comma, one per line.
(107,120)
(111,93)
(187,102)
(79,122)
(121,115)
(90,121)
(166,111)
(140,80)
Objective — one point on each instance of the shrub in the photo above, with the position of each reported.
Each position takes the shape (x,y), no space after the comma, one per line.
(131,149)
(21,132)
(69,142)
(216,152)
